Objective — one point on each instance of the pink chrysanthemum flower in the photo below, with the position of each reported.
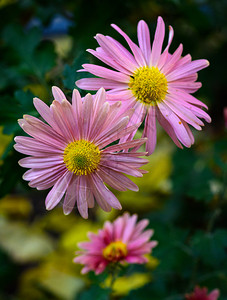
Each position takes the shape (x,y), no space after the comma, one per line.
(157,84)
(201,294)
(122,241)
(70,152)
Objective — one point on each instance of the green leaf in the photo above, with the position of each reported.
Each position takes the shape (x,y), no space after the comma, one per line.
(35,243)
(196,182)
(13,109)
(70,73)
(22,42)
(94,292)
(44,58)
(210,247)
(10,173)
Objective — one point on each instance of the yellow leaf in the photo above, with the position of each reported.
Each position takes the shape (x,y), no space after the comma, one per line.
(22,242)
(5,140)
(38,90)
(123,285)
(151,185)
(54,275)
(15,206)
(78,233)
(152,263)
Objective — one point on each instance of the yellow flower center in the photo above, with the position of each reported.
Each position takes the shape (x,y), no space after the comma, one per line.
(81,157)
(115,251)
(148,85)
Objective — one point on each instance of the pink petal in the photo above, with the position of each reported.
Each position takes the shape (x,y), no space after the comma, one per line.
(140,227)
(69,118)
(180,94)
(126,145)
(167,127)
(111,134)
(58,190)
(98,196)
(144,40)
(41,132)
(61,120)
(105,192)
(184,60)
(108,176)
(94,84)
(136,259)
(170,65)
(157,43)
(38,152)
(70,196)
(34,144)
(77,109)
(121,94)
(99,99)
(87,112)
(214,294)
(187,69)
(100,54)
(117,52)
(118,227)
(188,131)
(165,55)
(99,120)
(135,49)
(122,168)
(189,87)
(193,108)
(38,176)
(41,162)
(184,113)
(117,180)
(171,33)
(128,231)
(81,191)
(150,130)
(46,113)
(47,182)
(137,117)
(58,94)
(106,73)
(176,124)
(122,158)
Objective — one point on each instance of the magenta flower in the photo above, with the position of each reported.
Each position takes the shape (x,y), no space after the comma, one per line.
(201,294)
(70,152)
(157,84)
(225,116)
(124,240)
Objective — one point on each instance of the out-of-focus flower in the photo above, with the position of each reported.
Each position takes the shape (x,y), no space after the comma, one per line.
(124,240)
(225,116)
(202,294)
(157,84)
(70,152)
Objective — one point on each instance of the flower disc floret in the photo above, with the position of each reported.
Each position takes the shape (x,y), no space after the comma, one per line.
(148,85)
(81,157)
(115,251)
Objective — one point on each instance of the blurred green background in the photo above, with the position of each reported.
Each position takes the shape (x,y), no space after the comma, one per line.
(184,196)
